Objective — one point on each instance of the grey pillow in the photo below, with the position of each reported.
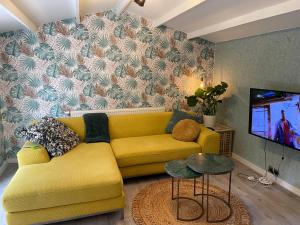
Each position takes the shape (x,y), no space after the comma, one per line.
(54,135)
(177,116)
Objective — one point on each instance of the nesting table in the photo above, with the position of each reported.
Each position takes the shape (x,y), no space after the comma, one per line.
(196,166)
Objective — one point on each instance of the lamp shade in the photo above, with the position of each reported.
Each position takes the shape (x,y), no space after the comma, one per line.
(140,2)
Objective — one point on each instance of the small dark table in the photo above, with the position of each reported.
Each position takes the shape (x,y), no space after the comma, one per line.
(178,169)
(212,164)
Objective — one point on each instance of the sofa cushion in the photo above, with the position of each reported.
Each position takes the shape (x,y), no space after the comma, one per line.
(120,126)
(54,135)
(87,173)
(76,124)
(180,115)
(151,149)
(186,130)
(137,125)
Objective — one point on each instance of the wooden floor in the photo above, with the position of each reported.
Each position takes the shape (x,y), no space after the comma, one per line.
(267,206)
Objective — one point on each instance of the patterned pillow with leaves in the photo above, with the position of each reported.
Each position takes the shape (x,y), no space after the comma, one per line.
(54,135)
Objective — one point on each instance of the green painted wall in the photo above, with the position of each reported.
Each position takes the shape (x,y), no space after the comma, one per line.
(267,61)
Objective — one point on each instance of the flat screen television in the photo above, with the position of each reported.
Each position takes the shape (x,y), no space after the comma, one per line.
(275,116)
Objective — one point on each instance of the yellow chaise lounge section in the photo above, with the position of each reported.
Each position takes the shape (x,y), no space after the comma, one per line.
(84,181)
(88,179)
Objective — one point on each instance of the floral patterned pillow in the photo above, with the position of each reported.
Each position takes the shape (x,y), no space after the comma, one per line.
(54,135)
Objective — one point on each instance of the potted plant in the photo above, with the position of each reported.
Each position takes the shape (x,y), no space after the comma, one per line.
(209,99)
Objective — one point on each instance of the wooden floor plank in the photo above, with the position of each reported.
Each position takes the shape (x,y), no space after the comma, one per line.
(267,206)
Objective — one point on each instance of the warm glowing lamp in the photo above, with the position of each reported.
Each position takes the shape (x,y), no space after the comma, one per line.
(202,85)
(199,73)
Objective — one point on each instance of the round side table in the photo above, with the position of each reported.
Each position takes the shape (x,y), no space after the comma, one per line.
(212,164)
(179,170)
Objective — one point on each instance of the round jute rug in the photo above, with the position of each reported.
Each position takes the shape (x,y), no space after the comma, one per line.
(154,206)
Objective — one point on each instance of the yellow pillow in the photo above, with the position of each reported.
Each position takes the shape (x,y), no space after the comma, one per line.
(186,130)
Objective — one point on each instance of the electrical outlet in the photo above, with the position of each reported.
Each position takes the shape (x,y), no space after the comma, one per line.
(273,171)
(270,169)
(276,172)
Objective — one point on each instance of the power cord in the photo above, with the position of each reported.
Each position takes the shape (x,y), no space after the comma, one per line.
(265,180)
(254,179)
(280,162)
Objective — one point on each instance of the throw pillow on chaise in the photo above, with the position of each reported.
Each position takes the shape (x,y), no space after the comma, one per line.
(54,135)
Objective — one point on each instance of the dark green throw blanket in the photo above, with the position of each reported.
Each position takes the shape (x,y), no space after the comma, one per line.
(96,127)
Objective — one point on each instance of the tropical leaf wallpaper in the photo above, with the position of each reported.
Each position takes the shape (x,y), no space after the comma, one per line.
(105,62)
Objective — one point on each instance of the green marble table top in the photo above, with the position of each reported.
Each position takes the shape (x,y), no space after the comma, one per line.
(210,163)
(179,169)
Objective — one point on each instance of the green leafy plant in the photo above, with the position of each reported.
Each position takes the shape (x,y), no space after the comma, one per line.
(208,98)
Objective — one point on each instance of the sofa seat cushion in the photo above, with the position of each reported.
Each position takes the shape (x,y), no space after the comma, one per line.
(89,172)
(151,149)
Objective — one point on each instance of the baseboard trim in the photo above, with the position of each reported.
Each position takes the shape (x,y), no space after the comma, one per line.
(12,160)
(261,171)
(3,167)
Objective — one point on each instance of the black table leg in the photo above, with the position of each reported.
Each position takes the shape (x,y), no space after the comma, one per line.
(217,197)
(177,198)
(202,189)
(195,187)
(207,192)
(178,180)
(173,188)
(229,193)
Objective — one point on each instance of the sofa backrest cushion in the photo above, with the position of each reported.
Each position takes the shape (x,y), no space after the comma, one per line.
(76,124)
(130,125)
(135,125)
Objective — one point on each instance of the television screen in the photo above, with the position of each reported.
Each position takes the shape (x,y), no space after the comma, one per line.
(275,115)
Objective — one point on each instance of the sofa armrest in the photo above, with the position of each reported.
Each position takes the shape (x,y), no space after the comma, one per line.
(32,154)
(209,140)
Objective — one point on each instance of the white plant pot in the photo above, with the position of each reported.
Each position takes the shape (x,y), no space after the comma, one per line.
(209,121)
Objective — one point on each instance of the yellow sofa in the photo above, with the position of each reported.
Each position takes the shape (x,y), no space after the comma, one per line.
(88,179)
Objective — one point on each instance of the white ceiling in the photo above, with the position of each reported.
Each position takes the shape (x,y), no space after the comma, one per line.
(7,21)
(215,11)
(214,20)
(282,22)
(44,11)
(94,6)
(154,9)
